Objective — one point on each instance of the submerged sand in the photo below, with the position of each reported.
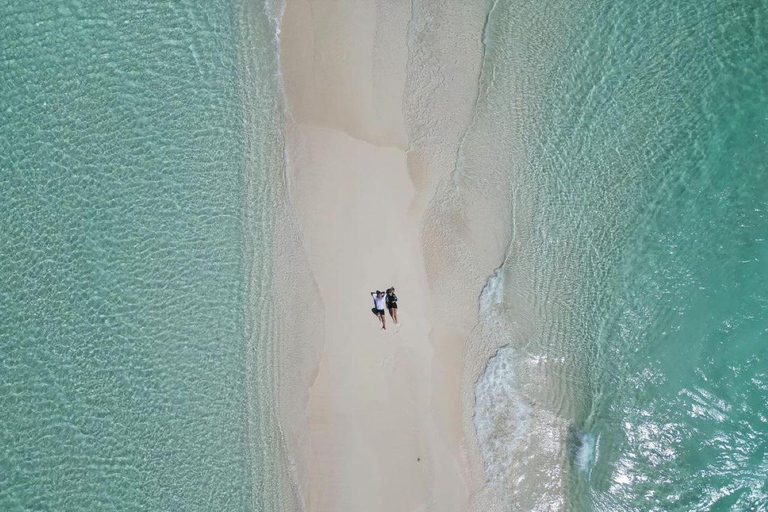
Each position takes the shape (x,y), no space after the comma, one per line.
(379,420)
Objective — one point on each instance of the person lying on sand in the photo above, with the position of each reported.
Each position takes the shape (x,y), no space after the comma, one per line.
(379,300)
(392,305)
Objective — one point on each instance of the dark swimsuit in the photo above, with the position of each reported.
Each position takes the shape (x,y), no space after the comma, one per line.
(392,301)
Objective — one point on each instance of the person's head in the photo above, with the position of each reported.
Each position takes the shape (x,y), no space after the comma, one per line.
(392,289)
(379,293)
(389,291)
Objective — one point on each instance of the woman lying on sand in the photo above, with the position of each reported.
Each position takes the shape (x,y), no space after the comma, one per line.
(392,305)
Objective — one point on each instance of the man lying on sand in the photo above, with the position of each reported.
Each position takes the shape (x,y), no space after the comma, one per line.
(379,299)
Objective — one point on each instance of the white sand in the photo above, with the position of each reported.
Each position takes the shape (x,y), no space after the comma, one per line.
(377,420)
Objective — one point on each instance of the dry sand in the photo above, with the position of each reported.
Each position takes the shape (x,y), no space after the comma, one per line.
(376,420)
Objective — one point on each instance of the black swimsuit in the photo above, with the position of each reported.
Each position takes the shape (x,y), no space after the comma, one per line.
(392,301)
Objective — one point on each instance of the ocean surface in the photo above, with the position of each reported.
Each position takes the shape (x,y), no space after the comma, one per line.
(636,135)
(138,149)
(136,144)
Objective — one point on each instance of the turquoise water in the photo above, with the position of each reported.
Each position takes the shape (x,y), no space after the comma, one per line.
(135,197)
(130,256)
(635,133)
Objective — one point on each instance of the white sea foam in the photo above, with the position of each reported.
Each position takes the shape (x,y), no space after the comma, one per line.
(586,453)
(492,295)
(486,34)
(521,439)
(275,9)
(502,417)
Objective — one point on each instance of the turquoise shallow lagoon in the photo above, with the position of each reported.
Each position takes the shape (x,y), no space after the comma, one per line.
(637,135)
(128,349)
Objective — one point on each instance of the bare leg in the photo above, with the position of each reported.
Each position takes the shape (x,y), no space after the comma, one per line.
(394,316)
(383,319)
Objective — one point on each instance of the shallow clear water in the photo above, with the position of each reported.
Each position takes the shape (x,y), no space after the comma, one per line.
(126,346)
(636,136)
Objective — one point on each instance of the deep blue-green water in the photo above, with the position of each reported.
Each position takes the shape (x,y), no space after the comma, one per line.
(132,156)
(637,137)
